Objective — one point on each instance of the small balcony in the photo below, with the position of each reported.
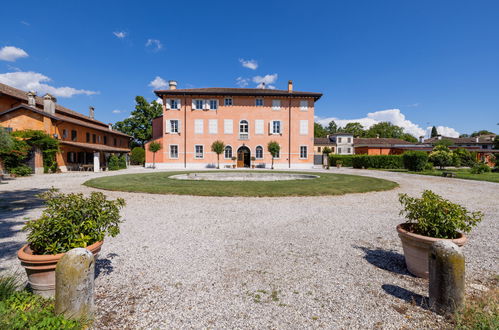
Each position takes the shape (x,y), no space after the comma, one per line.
(243,136)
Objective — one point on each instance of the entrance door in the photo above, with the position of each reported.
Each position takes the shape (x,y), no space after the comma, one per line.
(243,157)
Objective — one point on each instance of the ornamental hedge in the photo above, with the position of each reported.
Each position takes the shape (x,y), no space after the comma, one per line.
(415,160)
(381,161)
(346,160)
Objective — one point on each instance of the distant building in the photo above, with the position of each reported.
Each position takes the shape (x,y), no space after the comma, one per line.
(85,143)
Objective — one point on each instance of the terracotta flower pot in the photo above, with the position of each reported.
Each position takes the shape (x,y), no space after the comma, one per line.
(416,248)
(41,268)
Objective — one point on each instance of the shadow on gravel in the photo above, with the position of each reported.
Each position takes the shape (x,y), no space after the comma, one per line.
(105,266)
(386,260)
(408,296)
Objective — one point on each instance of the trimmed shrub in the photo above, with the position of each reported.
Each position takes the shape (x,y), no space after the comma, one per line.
(377,161)
(480,168)
(346,160)
(122,162)
(138,156)
(415,160)
(429,167)
(113,163)
(21,170)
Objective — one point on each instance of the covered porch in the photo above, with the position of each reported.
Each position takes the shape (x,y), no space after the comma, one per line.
(79,156)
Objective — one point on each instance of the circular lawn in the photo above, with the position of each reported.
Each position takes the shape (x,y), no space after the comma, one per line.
(162,183)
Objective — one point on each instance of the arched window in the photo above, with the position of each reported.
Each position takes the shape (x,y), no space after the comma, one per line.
(243,126)
(228,152)
(259,152)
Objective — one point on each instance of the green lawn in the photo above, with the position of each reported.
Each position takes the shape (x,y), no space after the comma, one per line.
(160,183)
(460,173)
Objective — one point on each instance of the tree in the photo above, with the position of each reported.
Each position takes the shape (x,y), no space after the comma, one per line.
(218,147)
(6,143)
(481,132)
(154,147)
(409,138)
(444,142)
(332,127)
(139,124)
(464,157)
(137,156)
(273,147)
(434,132)
(319,131)
(441,156)
(356,129)
(464,135)
(385,130)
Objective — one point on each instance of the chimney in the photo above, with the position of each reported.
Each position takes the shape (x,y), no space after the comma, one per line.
(377,136)
(421,139)
(477,139)
(172,84)
(91,112)
(110,126)
(439,137)
(32,98)
(49,103)
(290,86)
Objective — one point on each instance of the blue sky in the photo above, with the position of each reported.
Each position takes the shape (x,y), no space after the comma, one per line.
(435,61)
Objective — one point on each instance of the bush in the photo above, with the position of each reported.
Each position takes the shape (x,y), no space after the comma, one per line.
(346,160)
(138,156)
(71,220)
(464,157)
(441,156)
(378,161)
(480,168)
(429,166)
(113,163)
(415,160)
(21,170)
(433,216)
(122,162)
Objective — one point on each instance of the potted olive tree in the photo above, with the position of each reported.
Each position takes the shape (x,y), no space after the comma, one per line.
(431,218)
(68,221)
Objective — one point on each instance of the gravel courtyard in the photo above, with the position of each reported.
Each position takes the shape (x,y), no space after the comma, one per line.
(285,263)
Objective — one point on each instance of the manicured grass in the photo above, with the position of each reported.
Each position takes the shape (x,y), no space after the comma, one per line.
(160,183)
(460,173)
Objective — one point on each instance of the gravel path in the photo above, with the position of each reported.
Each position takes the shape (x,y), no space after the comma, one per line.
(289,262)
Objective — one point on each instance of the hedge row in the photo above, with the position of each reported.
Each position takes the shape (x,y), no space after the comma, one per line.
(381,161)
(346,160)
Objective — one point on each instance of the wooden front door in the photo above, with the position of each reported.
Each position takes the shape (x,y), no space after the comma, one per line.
(243,157)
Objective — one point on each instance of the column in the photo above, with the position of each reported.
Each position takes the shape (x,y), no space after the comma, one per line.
(97,161)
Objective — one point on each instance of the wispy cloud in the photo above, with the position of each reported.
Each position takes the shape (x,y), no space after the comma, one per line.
(116,111)
(120,34)
(250,64)
(412,105)
(242,82)
(265,81)
(154,44)
(394,116)
(158,83)
(10,53)
(13,68)
(37,82)
(25,23)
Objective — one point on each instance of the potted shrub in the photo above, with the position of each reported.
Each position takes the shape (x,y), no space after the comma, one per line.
(68,221)
(339,163)
(253,159)
(431,218)
(234,159)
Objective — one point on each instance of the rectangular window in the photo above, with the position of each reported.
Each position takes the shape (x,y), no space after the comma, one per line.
(198,104)
(228,102)
(259,126)
(276,104)
(64,133)
(174,126)
(198,151)
(349,150)
(228,126)
(94,138)
(276,127)
(278,154)
(115,142)
(88,137)
(213,126)
(105,139)
(303,127)
(198,126)
(73,135)
(174,104)
(339,140)
(319,149)
(303,152)
(339,150)
(304,105)
(98,139)
(349,140)
(173,151)
(259,102)
(213,104)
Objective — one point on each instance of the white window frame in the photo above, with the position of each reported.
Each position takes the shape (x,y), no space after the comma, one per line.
(226,125)
(339,150)
(304,127)
(195,151)
(303,105)
(339,139)
(195,104)
(201,126)
(228,102)
(257,101)
(306,152)
(211,103)
(256,153)
(231,151)
(349,150)
(272,127)
(212,129)
(247,126)
(170,151)
(171,126)
(349,140)
(276,104)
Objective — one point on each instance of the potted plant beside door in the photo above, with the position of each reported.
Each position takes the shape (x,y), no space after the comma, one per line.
(234,160)
(253,159)
(431,218)
(68,221)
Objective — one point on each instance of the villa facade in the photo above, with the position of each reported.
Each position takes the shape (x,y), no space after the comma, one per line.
(244,119)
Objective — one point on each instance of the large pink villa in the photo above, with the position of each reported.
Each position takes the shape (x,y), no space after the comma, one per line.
(245,119)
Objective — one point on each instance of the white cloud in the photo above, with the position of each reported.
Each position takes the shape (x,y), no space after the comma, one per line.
(393,116)
(159,100)
(35,81)
(155,43)
(120,34)
(265,81)
(117,111)
(25,23)
(158,83)
(242,82)
(10,53)
(250,64)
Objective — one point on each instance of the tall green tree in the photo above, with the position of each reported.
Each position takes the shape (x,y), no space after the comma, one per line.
(154,147)
(6,143)
(218,147)
(332,127)
(356,129)
(434,132)
(441,156)
(139,124)
(273,147)
(385,130)
(319,131)
(481,132)
(409,138)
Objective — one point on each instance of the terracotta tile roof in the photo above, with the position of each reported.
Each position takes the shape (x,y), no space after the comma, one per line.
(379,141)
(90,125)
(237,92)
(93,146)
(322,141)
(485,139)
(27,107)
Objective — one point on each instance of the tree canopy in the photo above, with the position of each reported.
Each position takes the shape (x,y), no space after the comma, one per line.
(319,131)
(139,124)
(434,132)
